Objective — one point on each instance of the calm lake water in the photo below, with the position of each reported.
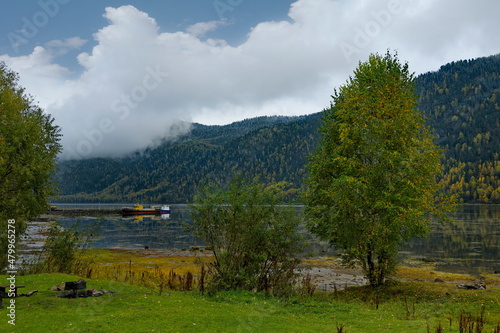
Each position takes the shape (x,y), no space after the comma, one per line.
(471,244)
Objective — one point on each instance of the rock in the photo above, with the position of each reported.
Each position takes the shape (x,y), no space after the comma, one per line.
(31,293)
(96,293)
(438,280)
(58,288)
(480,286)
(83,293)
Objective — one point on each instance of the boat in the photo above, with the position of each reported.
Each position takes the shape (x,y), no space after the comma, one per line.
(141,210)
(146,217)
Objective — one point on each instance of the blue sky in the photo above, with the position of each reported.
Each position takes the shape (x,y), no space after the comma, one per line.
(83,18)
(118,75)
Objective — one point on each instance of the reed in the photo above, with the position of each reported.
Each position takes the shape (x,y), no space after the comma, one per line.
(468,323)
(307,285)
(340,328)
(156,278)
(409,308)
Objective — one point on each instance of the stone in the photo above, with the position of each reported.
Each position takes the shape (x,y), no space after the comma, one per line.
(480,286)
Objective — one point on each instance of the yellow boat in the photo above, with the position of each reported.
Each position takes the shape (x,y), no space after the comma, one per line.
(141,210)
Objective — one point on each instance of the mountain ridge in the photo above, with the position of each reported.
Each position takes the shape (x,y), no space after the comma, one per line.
(459,101)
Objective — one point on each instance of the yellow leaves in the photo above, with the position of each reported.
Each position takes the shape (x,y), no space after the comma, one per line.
(384,159)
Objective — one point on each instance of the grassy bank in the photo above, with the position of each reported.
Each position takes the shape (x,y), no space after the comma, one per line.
(420,300)
(398,307)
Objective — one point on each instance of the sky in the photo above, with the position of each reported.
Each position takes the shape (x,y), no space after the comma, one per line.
(120,76)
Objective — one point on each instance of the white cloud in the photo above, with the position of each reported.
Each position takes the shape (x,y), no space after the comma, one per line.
(39,74)
(68,43)
(202,28)
(137,84)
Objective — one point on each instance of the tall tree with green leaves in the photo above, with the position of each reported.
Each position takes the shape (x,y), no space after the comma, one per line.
(29,144)
(373,179)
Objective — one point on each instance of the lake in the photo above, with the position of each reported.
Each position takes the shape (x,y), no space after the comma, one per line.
(471,244)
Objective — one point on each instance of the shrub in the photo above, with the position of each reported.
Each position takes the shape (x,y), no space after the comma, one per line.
(253,238)
(63,250)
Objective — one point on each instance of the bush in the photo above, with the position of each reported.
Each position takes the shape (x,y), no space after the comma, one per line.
(253,238)
(63,250)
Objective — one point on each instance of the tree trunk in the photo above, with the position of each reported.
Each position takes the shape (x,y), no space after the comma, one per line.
(371,269)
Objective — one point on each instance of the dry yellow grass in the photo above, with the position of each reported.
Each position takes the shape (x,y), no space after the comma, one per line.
(155,269)
(428,274)
(151,268)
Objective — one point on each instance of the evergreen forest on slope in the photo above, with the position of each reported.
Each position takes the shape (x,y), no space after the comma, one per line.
(461,102)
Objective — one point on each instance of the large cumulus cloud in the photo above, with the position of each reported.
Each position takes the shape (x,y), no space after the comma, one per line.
(138,85)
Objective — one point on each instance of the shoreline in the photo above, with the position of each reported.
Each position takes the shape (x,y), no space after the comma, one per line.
(70,212)
(326,272)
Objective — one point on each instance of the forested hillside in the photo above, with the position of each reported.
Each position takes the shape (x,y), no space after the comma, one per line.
(274,148)
(462,102)
(459,101)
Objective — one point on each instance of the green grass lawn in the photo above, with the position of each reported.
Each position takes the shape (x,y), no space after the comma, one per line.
(398,307)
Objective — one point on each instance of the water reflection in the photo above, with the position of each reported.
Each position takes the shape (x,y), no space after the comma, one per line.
(470,244)
(164,231)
